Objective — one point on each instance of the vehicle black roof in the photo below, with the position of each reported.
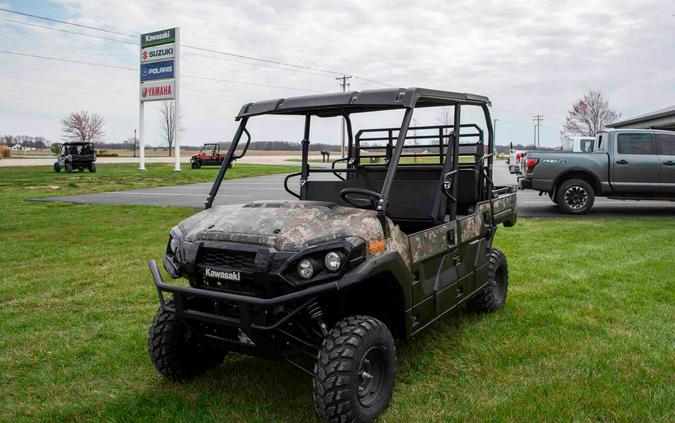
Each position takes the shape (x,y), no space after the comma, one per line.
(77,143)
(335,104)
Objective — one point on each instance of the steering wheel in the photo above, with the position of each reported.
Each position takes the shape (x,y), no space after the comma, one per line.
(361,198)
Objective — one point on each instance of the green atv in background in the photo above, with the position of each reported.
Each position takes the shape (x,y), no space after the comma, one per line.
(370,252)
(76,155)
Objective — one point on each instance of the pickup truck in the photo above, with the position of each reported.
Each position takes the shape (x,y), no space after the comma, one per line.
(627,164)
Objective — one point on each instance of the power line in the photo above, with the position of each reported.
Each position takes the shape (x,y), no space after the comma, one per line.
(69,32)
(189,53)
(241,56)
(80,62)
(65,22)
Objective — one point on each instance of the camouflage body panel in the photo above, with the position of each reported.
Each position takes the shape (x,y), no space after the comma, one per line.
(473,226)
(505,202)
(431,242)
(398,242)
(290,225)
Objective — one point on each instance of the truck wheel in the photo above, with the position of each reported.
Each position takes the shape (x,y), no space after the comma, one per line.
(92,168)
(355,371)
(493,296)
(174,352)
(575,196)
(196,164)
(57,168)
(69,167)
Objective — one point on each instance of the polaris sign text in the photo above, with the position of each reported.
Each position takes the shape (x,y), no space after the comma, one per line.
(158,90)
(161,52)
(158,37)
(157,70)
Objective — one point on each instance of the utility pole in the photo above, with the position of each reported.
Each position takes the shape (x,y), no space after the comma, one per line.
(135,142)
(494,135)
(537,119)
(345,85)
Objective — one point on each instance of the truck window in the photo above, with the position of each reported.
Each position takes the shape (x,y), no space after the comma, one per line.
(666,144)
(635,144)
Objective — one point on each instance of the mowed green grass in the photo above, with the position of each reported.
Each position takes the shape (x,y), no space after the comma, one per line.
(587,333)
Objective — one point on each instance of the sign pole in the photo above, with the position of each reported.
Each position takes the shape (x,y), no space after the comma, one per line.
(141,144)
(141,119)
(176,126)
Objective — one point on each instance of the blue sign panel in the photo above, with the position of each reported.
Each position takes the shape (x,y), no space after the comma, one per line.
(157,70)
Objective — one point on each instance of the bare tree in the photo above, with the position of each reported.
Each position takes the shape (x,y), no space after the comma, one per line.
(589,115)
(83,126)
(168,124)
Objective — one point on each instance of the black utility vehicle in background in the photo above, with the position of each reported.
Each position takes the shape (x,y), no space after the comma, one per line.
(76,155)
(368,253)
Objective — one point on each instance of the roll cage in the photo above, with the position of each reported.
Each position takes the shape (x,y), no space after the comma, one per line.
(433,192)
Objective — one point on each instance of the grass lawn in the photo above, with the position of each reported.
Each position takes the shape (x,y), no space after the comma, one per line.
(587,333)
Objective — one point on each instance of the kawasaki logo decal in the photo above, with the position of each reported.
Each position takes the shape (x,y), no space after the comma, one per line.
(230,276)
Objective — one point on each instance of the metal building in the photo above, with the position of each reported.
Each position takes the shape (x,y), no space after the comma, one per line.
(660,119)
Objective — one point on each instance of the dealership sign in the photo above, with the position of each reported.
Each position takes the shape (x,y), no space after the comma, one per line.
(158,37)
(158,90)
(160,80)
(160,52)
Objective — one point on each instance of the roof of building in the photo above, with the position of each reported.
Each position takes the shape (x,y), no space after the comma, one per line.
(335,104)
(665,112)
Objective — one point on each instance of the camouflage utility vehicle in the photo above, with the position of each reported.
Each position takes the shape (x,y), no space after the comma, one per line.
(76,155)
(371,251)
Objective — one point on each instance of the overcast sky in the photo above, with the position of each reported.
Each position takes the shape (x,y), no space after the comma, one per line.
(528,57)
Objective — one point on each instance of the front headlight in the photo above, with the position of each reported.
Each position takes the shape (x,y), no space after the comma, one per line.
(305,269)
(175,239)
(333,261)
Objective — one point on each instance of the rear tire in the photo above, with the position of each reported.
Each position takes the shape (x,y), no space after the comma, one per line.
(355,371)
(575,196)
(175,353)
(92,168)
(493,296)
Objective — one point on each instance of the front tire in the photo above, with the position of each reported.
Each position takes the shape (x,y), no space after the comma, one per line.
(355,371)
(57,168)
(196,164)
(69,167)
(493,296)
(175,352)
(575,196)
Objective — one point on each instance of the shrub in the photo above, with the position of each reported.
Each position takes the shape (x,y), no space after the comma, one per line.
(5,151)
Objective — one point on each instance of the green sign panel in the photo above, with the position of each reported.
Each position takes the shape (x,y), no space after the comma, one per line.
(158,37)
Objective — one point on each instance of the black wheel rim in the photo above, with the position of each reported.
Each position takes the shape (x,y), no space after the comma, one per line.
(576,197)
(371,375)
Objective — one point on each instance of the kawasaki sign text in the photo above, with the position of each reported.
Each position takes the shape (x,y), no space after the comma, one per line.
(158,37)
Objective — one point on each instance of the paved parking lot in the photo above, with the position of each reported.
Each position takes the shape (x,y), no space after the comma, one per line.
(238,191)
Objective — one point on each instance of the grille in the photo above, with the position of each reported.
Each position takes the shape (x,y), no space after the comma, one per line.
(239,260)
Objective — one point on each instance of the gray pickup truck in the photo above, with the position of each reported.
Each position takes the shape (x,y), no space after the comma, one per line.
(627,164)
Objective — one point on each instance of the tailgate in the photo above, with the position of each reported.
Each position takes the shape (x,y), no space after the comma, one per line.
(505,205)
